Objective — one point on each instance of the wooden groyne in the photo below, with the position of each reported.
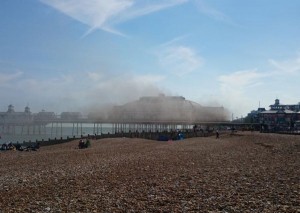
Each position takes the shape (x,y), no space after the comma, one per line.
(158,136)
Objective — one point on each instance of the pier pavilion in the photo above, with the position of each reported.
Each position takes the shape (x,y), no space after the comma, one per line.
(156,113)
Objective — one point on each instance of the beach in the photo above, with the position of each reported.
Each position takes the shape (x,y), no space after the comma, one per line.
(244,172)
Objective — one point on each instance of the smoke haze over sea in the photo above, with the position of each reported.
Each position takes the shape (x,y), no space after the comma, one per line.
(78,55)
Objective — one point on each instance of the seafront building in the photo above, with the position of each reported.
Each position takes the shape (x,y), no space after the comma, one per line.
(25,117)
(10,116)
(166,109)
(26,120)
(278,117)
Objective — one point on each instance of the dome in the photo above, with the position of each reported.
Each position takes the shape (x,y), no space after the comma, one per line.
(27,109)
(10,109)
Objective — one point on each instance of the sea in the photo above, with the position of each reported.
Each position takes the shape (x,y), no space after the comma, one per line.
(50,131)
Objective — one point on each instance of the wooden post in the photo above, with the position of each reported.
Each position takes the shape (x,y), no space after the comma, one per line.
(61,129)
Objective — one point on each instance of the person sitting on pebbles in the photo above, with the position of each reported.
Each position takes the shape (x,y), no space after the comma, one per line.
(4,146)
(81,144)
(217,134)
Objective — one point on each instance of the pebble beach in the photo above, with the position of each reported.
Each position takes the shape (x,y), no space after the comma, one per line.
(244,172)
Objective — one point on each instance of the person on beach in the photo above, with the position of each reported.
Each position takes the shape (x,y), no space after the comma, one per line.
(87,143)
(4,146)
(10,146)
(81,144)
(217,134)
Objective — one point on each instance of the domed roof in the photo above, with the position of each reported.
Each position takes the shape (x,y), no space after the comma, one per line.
(166,109)
(10,109)
(27,109)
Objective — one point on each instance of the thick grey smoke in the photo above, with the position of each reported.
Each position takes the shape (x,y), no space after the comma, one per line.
(104,95)
(117,91)
(76,91)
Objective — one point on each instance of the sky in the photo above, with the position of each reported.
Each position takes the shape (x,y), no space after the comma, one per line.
(76,55)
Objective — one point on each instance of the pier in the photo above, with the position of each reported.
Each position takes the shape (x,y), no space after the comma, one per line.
(113,128)
(154,114)
(56,125)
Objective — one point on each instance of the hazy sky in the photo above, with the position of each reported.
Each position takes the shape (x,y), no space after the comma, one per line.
(69,55)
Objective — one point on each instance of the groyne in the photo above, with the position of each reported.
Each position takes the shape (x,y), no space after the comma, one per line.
(158,136)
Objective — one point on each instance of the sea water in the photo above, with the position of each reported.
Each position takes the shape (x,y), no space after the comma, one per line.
(52,131)
(61,130)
